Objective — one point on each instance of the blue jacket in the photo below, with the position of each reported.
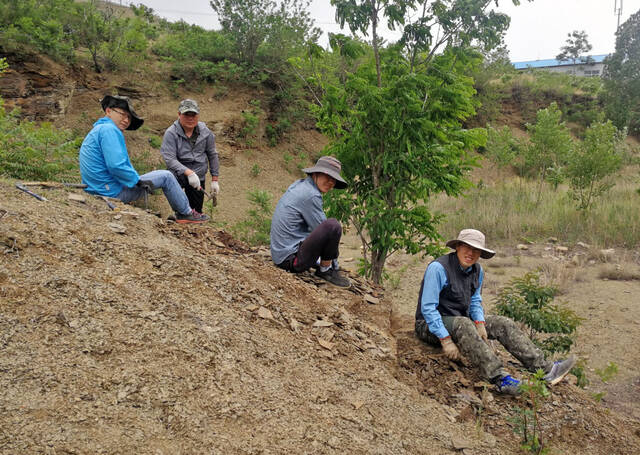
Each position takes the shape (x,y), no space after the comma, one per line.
(104,160)
(299,211)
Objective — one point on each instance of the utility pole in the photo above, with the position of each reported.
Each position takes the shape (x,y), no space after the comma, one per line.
(618,10)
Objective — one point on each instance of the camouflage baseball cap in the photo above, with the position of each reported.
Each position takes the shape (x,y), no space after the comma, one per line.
(188,105)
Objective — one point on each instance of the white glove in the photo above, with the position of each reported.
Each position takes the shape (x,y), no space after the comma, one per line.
(194,181)
(215,186)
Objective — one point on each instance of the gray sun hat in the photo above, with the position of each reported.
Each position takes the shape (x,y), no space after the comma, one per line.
(473,238)
(188,105)
(330,166)
(122,102)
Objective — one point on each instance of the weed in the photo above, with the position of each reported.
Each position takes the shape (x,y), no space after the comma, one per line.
(608,372)
(619,274)
(255,229)
(255,170)
(155,142)
(578,372)
(526,421)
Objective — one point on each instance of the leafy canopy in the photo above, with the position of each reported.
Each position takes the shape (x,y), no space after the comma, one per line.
(576,46)
(396,117)
(622,77)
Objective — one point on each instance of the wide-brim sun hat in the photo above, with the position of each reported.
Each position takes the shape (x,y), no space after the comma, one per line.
(330,166)
(122,102)
(474,239)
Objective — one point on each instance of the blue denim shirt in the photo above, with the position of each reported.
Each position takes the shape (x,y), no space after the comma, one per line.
(299,211)
(435,279)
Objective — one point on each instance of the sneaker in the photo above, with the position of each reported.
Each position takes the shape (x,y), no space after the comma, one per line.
(508,385)
(333,277)
(559,370)
(193,217)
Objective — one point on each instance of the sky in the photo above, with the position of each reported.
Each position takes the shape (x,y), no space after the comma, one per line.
(538,29)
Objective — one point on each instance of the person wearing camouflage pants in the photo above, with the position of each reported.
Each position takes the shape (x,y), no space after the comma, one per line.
(450,314)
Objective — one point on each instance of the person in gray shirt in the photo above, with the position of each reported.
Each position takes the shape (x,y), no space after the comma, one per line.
(301,234)
(189,150)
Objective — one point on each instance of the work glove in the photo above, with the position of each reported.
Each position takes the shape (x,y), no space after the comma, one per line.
(215,187)
(194,180)
(449,348)
(146,185)
(482,331)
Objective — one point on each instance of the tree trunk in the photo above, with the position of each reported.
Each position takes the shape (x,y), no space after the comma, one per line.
(378,259)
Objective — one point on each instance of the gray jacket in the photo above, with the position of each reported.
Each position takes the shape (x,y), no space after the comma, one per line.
(179,155)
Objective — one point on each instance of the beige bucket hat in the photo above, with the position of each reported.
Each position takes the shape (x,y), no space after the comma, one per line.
(473,238)
(330,166)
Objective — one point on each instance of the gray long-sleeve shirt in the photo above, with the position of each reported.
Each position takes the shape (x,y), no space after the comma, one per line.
(299,211)
(179,154)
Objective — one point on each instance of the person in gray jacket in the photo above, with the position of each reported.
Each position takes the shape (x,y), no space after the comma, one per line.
(189,150)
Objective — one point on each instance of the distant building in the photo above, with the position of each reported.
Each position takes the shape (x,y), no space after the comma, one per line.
(592,68)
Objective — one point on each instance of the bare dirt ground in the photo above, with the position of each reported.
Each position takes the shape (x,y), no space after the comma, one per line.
(121,333)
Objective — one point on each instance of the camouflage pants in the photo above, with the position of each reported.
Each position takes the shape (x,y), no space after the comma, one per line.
(464,334)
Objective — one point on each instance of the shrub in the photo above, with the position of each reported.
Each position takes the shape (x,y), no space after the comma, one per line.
(29,151)
(526,300)
(255,229)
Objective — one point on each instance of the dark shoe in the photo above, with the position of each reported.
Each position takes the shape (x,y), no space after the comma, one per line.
(508,385)
(333,277)
(193,217)
(559,370)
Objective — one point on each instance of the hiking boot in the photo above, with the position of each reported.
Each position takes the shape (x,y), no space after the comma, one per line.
(559,370)
(333,277)
(193,217)
(508,385)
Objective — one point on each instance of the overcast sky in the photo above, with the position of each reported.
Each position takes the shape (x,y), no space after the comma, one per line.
(537,31)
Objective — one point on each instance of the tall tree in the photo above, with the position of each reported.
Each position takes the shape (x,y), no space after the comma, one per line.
(252,23)
(396,123)
(576,46)
(622,77)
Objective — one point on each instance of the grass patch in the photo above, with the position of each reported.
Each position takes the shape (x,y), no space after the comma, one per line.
(508,212)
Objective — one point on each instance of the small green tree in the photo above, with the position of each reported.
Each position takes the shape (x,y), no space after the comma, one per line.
(525,300)
(527,421)
(550,144)
(397,121)
(576,46)
(593,161)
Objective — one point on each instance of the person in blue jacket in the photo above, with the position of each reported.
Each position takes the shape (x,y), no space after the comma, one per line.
(450,314)
(107,171)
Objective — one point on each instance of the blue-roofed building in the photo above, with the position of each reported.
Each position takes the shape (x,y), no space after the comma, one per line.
(593,65)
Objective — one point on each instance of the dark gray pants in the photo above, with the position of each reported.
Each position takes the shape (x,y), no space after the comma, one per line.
(464,334)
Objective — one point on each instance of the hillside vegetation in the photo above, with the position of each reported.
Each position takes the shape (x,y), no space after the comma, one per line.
(111,343)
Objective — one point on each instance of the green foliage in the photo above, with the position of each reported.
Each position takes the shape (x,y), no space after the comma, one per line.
(525,300)
(579,373)
(594,161)
(502,147)
(43,25)
(526,421)
(395,116)
(155,142)
(255,229)
(608,372)
(550,144)
(29,151)
(577,45)
(3,65)
(622,84)
(265,31)
(251,122)
(276,132)
(255,170)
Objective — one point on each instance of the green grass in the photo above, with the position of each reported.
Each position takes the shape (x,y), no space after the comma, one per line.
(508,212)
